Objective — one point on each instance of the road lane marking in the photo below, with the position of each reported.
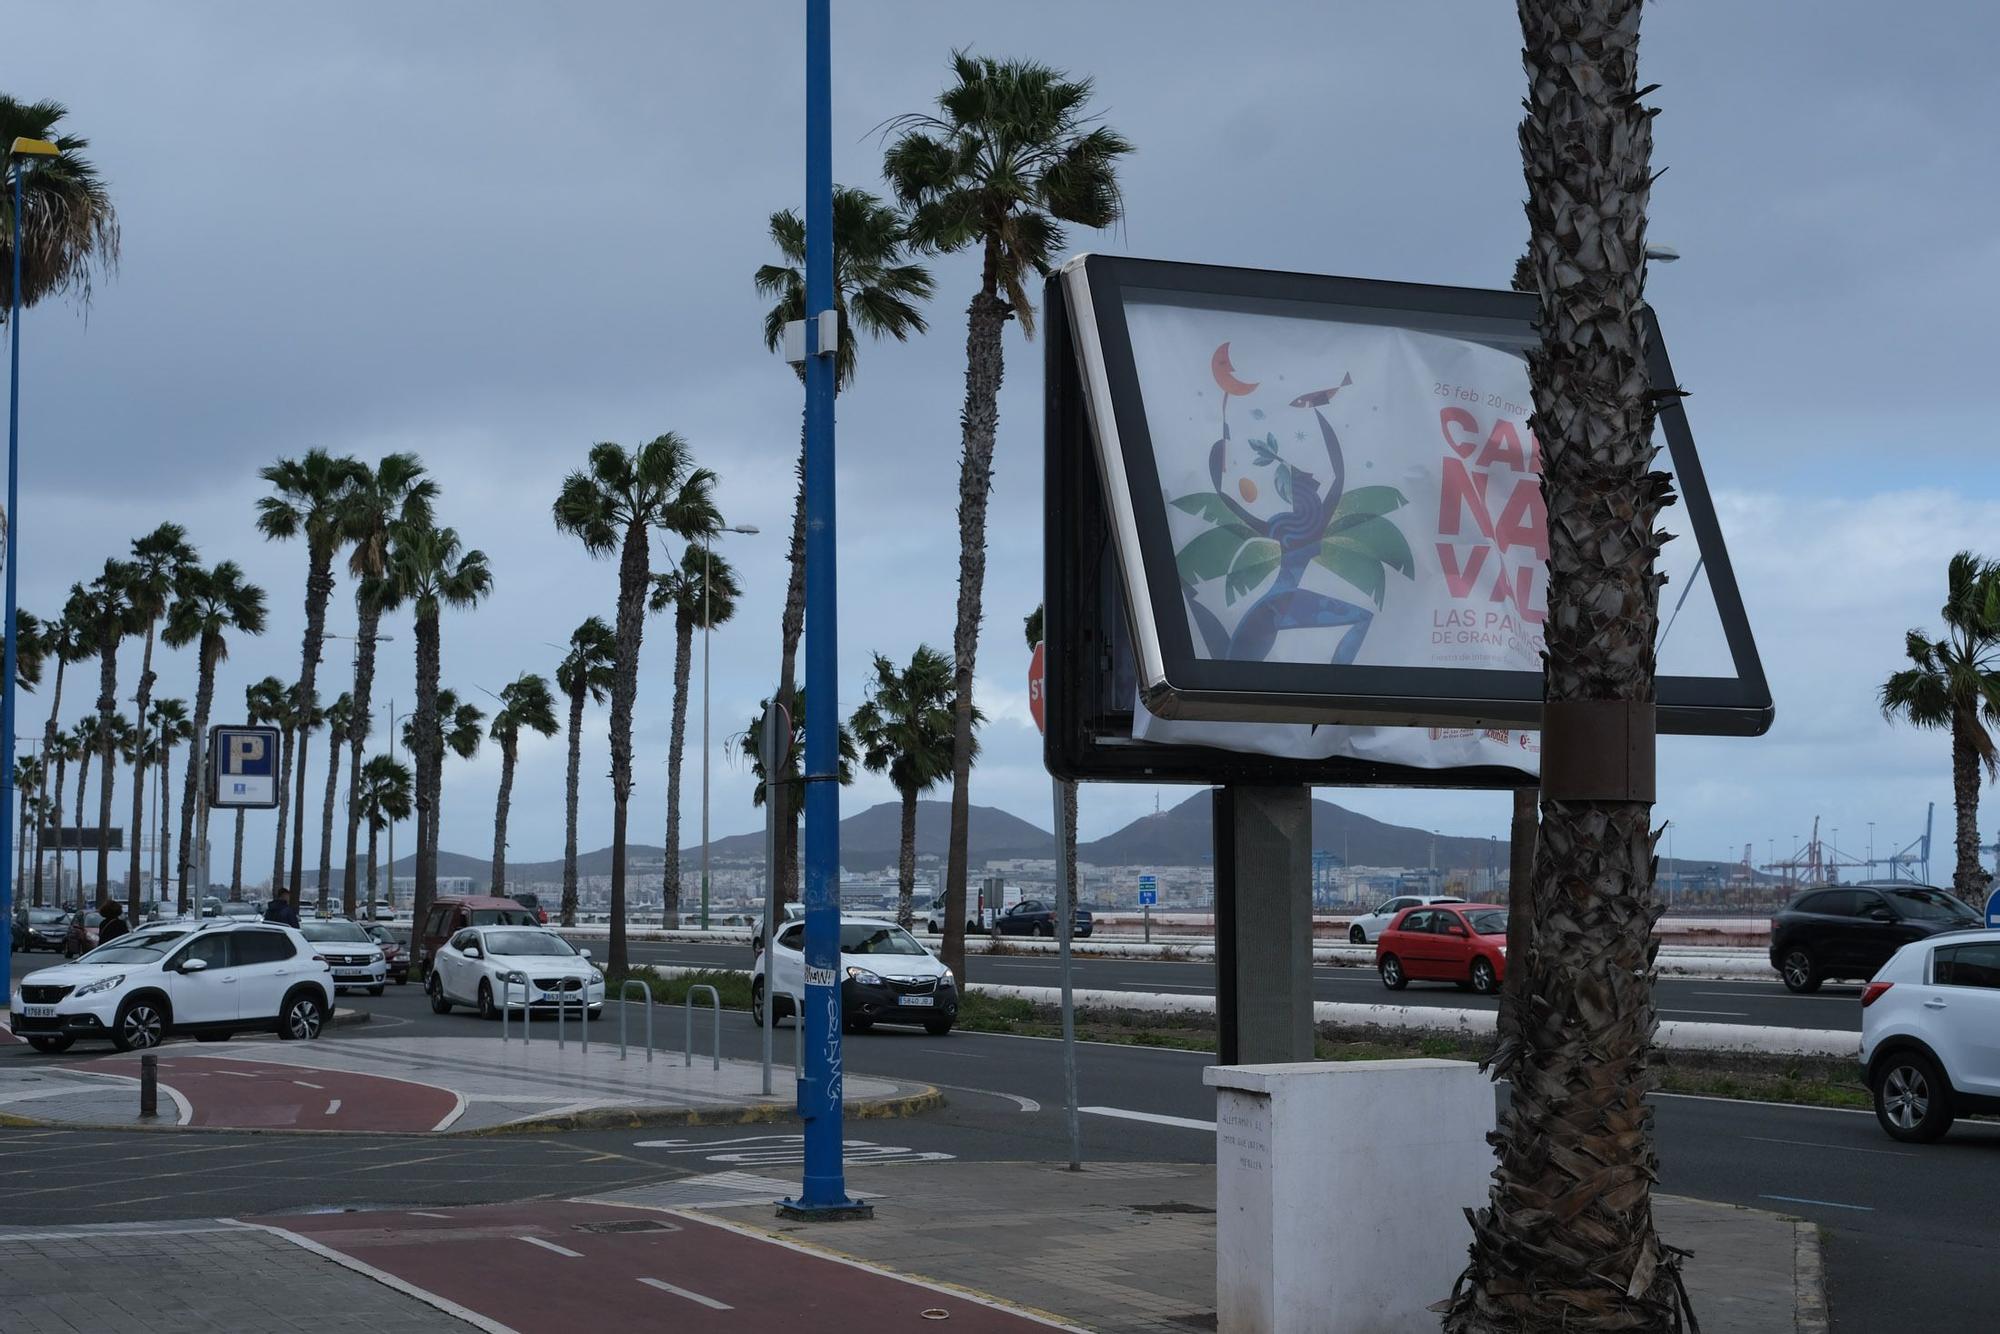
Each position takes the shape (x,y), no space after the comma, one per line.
(665,1286)
(1026,1104)
(946,1051)
(304,1085)
(1737,1014)
(419,1213)
(551,1246)
(1824,1204)
(1185,1123)
(1756,1102)
(234,1074)
(1758,995)
(1844,1148)
(332,1106)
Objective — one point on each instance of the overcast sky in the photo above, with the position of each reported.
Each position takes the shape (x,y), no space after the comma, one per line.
(493,234)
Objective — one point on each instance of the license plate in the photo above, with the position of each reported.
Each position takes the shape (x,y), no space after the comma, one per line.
(919,1000)
(38,1011)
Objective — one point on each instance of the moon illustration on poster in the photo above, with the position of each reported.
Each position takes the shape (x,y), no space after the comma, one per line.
(1225,374)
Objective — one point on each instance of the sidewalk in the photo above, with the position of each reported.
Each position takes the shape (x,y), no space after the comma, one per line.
(423,1086)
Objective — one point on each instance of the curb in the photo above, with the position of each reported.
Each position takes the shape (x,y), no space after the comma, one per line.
(1808,1280)
(344,1018)
(641,1118)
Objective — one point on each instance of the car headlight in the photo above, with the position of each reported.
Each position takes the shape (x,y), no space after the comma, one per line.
(864,977)
(101,984)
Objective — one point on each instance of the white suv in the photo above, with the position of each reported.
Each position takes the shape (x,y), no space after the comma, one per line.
(208,979)
(1930,1033)
(1364,929)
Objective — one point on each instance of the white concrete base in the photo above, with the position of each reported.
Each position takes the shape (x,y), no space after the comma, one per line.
(1341,1189)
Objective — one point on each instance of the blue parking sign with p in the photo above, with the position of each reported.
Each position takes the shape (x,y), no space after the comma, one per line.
(244,767)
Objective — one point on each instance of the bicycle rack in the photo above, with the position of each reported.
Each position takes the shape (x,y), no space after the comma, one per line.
(687,1011)
(631,982)
(507,981)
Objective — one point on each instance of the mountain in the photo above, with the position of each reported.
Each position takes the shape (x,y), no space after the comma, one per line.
(870,839)
(1183,836)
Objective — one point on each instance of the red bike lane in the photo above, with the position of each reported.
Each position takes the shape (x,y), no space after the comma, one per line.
(269,1095)
(551,1267)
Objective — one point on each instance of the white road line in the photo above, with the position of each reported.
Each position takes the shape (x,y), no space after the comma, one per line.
(1185,1123)
(946,1051)
(1026,1104)
(1824,1204)
(1737,1014)
(551,1246)
(1754,1102)
(332,1106)
(234,1074)
(665,1286)
(451,1117)
(385,1278)
(419,1213)
(1815,1144)
(1759,995)
(304,1085)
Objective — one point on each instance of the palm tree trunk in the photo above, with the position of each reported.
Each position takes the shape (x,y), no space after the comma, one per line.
(160,880)
(107,703)
(24,801)
(236,864)
(569,804)
(784,809)
(508,746)
(319,587)
(284,811)
(193,798)
(371,869)
(107,788)
(670,895)
(297,881)
(368,620)
(1566,1240)
(145,697)
(54,809)
(429,739)
(631,628)
(1968,877)
(82,782)
(334,745)
(906,863)
(984,365)
(55,813)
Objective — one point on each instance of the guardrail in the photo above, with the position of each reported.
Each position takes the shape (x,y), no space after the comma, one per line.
(687,1010)
(631,982)
(507,981)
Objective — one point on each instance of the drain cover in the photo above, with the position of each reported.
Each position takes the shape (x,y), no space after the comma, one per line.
(628,1225)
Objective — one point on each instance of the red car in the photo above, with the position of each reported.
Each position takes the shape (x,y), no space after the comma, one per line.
(1464,943)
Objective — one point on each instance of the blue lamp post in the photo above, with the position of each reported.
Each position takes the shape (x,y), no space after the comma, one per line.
(22,150)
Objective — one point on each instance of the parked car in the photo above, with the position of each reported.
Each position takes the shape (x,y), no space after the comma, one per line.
(1368,926)
(395,950)
(1850,931)
(533,903)
(1465,943)
(488,967)
(451,915)
(355,957)
(40,929)
(210,980)
(885,977)
(1036,917)
(80,934)
(247,912)
(1928,1023)
(788,912)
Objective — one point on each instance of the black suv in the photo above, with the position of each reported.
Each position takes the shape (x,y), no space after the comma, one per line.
(1849,931)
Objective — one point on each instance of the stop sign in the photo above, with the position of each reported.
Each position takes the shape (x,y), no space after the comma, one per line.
(1035,691)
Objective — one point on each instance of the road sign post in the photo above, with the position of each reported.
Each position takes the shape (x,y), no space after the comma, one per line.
(1065,923)
(1149,894)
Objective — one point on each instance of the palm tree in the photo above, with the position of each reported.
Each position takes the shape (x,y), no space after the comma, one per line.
(117,739)
(751,744)
(265,703)
(27,780)
(310,495)
(339,717)
(904,729)
(429,568)
(68,226)
(703,593)
(209,606)
(586,670)
(876,290)
(1066,836)
(61,752)
(110,615)
(394,491)
(168,726)
(29,650)
(62,639)
(158,561)
(524,702)
(459,730)
(86,734)
(384,796)
(302,717)
(1013,155)
(1954,683)
(612,505)
(1566,1238)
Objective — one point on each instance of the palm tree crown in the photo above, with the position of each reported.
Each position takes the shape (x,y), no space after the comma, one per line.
(699,579)
(904,727)
(875,288)
(429,568)
(586,668)
(524,702)
(69,228)
(385,791)
(209,604)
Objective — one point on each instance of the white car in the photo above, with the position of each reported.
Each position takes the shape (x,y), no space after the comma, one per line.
(487,967)
(357,960)
(1930,1033)
(208,979)
(1364,929)
(885,976)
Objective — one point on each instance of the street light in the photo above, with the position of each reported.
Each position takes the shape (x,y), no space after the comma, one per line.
(707,617)
(22,150)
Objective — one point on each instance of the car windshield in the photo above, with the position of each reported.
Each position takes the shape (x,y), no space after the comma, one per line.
(1488,923)
(874,938)
(346,933)
(45,915)
(542,943)
(239,910)
(1932,905)
(140,949)
(503,917)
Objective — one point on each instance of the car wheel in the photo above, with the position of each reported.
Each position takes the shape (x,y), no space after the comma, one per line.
(302,1019)
(1483,980)
(1049,931)
(1392,973)
(1912,1098)
(439,1005)
(757,1002)
(857,1025)
(377,989)
(1797,968)
(1356,936)
(50,1044)
(937,1028)
(487,1009)
(140,1024)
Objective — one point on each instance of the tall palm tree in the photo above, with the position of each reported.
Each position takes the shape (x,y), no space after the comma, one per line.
(394,491)
(904,729)
(702,593)
(310,495)
(384,796)
(429,569)
(459,732)
(29,650)
(69,228)
(339,717)
(117,740)
(586,670)
(167,727)
(1012,155)
(265,703)
(158,561)
(524,702)
(1953,683)
(302,716)
(1065,836)
(61,753)
(86,734)
(1566,1239)
(64,640)
(27,781)
(209,606)
(613,505)
(111,616)
(876,290)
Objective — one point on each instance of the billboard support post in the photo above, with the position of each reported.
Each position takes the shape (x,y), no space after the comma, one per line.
(1263,924)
